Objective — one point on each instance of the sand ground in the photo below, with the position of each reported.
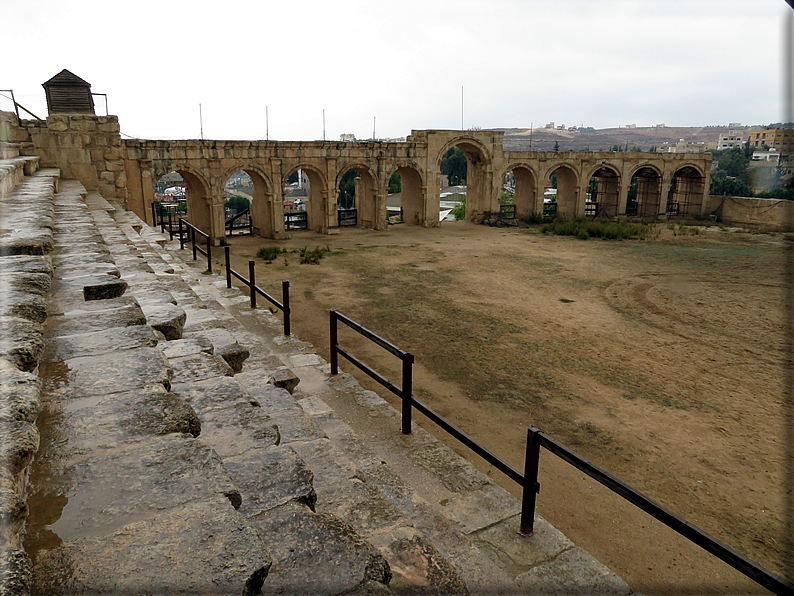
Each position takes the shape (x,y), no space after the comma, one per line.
(659,360)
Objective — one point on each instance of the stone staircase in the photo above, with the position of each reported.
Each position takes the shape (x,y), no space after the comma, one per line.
(179,456)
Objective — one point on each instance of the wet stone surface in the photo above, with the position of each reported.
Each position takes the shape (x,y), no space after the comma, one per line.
(21,342)
(199,367)
(340,560)
(271,477)
(573,572)
(107,373)
(99,342)
(105,421)
(202,547)
(168,319)
(20,394)
(185,347)
(131,481)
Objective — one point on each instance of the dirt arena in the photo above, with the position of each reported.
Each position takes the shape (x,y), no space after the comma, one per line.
(659,360)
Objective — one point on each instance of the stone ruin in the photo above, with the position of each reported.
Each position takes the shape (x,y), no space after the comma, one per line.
(160,436)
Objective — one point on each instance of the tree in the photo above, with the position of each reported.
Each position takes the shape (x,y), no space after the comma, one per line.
(454,166)
(395,183)
(236,204)
(556,147)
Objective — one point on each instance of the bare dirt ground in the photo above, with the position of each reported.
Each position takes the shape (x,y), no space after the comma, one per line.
(659,360)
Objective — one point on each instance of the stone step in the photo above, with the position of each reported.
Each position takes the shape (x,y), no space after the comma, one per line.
(459,518)
(442,526)
(232,422)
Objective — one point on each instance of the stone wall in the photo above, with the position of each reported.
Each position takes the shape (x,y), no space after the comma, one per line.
(767,215)
(83,146)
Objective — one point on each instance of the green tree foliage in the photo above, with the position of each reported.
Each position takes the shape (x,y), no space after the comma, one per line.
(347,189)
(459,210)
(732,187)
(236,204)
(731,176)
(395,183)
(454,165)
(293,178)
(556,147)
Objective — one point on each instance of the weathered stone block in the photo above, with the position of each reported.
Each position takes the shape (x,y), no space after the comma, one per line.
(98,342)
(168,319)
(20,394)
(107,373)
(341,561)
(272,477)
(199,367)
(104,287)
(21,342)
(209,549)
(573,572)
(285,379)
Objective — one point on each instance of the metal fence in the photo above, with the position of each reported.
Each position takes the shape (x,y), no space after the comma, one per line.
(186,227)
(253,289)
(529,479)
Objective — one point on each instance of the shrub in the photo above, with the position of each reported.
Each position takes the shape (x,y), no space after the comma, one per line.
(533,218)
(311,257)
(598,228)
(268,253)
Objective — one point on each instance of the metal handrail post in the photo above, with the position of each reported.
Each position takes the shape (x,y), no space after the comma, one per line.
(531,486)
(181,236)
(170,227)
(252,282)
(285,305)
(407,389)
(228,267)
(154,215)
(193,241)
(209,254)
(334,342)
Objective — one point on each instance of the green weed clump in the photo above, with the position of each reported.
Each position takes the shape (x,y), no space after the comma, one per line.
(269,253)
(598,228)
(312,257)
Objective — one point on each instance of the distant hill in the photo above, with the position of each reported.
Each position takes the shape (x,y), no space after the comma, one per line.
(542,139)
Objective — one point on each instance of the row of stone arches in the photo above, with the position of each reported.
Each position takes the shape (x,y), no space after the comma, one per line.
(603,191)
(321,202)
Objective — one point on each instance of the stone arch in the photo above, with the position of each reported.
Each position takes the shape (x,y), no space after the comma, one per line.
(368,211)
(603,186)
(644,197)
(478,173)
(567,189)
(526,189)
(685,197)
(413,195)
(266,212)
(317,206)
(197,192)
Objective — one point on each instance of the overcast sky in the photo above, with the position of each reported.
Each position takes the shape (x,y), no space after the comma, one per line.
(599,63)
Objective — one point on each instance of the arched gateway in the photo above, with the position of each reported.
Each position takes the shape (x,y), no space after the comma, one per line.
(680,179)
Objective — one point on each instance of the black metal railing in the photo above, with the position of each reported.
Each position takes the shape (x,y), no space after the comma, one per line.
(296,221)
(347,217)
(240,221)
(590,209)
(529,479)
(159,218)
(537,439)
(409,401)
(253,289)
(549,210)
(185,227)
